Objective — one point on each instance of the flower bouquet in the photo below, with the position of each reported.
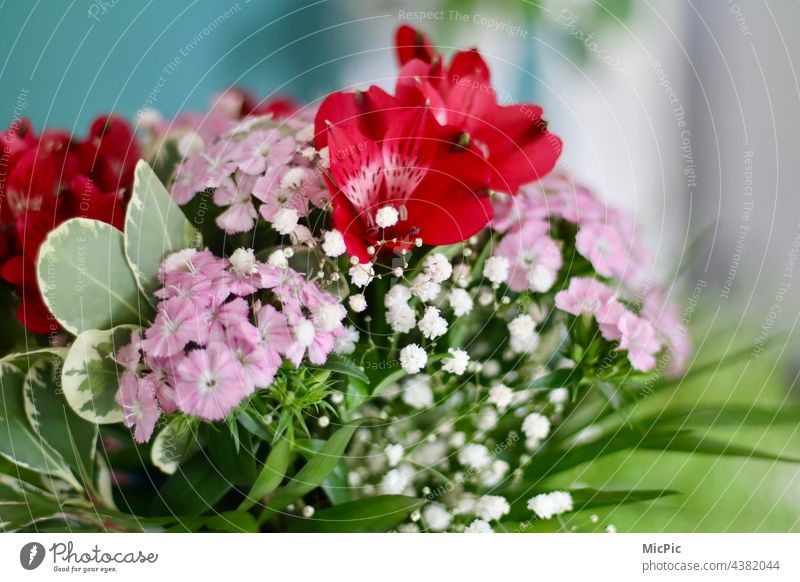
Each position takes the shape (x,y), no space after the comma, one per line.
(384,312)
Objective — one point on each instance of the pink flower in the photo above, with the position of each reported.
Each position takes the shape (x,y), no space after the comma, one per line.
(584,295)
(240,216)
(209,383)
(668,323)
(605,249)
(264,149)
(221,162)
(190,179)
(273,329)
(587,295)
(129,356)
(177,323)
(137,397)
(258,362)
(639,338)
(534,257)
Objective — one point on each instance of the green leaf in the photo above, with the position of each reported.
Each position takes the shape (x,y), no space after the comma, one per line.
(194,488)
(368,515)
(271,474)
(154,227)
(585,498)
(314,472)
(343,366)
(173,444)
(560,378)
(90,379)
(85,280)
(18,443)
(238,466)
(687,442)
(53,420)
(233,522)
(723,415)
(335,486)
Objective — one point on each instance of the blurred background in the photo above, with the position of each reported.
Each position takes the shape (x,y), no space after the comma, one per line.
(686,113)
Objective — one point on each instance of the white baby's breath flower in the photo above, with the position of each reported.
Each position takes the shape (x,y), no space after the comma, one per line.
(522,330)
(479,526)
(413,358)
(397,295)
(437,267)
(329,316)
(394,454)
(278,260)
(486,419)
(461,302)
(190,144)
(536,426)
(361,274)
(432,324)
(501,396)
(401,318)
(436,517)
(474,456)
(492,507)
(333,243)
(397,481)
(293,178)
(346,343)
(457,362)
(243,262)
(285,220)
(496,269)
(425,288)
(486,298)
(548,505)
(558,396)
(461,274)
(387,217)
(495,473)
(417,392)
(358,302)
(325,157)
(541,279)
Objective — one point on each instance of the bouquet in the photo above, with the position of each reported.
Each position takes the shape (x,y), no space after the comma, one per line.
(387,312)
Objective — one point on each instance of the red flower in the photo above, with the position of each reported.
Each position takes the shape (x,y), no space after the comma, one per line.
(51,178)
(514,138)
(384,154)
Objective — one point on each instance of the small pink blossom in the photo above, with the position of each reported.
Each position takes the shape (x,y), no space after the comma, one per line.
(263,149)
(605,249)
(137,397)
(584,295)
(209,383)
(528,249)
(639,338)
(177,323)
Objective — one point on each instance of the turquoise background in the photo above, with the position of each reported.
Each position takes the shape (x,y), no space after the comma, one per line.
(62,63)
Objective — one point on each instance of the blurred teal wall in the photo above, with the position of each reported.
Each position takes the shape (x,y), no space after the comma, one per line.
(62,63)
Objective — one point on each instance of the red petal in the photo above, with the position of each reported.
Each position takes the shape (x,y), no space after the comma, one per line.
(346,220)
(356,165)
(367,111)
(412,44)
(409,148)
(466,64)
(12,270)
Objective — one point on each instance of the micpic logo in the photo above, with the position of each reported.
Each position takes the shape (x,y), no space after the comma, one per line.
(31,555)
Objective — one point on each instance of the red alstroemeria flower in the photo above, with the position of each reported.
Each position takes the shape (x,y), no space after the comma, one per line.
(384,154)
(53,177)
(514,138)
